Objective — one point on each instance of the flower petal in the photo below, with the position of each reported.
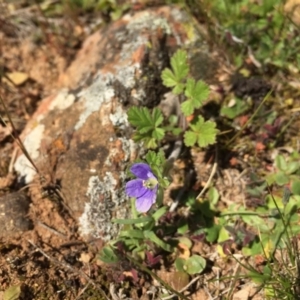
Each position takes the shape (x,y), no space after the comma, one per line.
(144,203)
(142,170)
(135,188)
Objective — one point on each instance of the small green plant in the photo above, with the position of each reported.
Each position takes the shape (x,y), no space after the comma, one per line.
(286,172)
(145,190)
(153,230)
(277,226)
(272,227)
(235,108)
(275,219)
(195,264)
(149,125)
(202,133)
(260,26)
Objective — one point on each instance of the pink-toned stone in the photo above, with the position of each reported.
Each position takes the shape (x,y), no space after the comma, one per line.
(80,137)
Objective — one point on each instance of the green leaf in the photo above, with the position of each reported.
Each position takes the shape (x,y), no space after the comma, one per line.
(173,120)
(280,163)
(254,221)
(182,229)
(179,264)
(179,64)
(270,199)
(270,178)
(180,70)
(239,107)
(12,293)
(258,278)
(213,196)
(152,236)
(190,138)
(212,233)
(147,125)
(157,117)
(296,187)
(253,249)
(132,221)
(139,116)
(185,241)
(158,134)
(290,208)
(196,93)
(149,142)
(132,233)
(281,178)
(159,213)
(223,235)
(187,107)
(292,167)
(156,160)
(202,132)
(195,264)
(108,255)
(176,131)
(169,78)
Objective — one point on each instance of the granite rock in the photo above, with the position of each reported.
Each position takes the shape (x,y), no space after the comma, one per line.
(80,139)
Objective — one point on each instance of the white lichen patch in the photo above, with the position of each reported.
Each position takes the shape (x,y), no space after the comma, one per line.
(119,118)
(102,91)
(130,47)
(105,202)
(126,74)
(149,21)
(180,15)
(32,144)
(62,101)
(129,148)
(99,92)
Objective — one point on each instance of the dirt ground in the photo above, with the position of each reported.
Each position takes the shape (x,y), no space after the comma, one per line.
(33,55)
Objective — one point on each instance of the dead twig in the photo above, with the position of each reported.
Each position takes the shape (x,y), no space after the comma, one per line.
(208,182)
(51,229)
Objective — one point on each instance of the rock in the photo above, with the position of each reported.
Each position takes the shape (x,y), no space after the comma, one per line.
(80,139)
(14,210)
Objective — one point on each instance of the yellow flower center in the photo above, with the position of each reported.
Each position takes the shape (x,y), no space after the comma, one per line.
(150,183)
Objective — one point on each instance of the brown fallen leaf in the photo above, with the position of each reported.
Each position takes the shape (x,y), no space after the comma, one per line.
(176,279)
(85,257)
(18,78)
(246,292)
(184,251)
(201,294)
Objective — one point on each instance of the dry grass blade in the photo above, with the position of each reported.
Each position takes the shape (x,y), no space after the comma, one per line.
(16,136)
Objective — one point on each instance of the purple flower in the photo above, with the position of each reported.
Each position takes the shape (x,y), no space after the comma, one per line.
(144,188)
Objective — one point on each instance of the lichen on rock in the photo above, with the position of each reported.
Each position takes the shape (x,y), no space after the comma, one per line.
(106,201)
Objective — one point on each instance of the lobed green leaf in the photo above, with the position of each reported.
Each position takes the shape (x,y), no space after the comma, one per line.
(179,64)
(202,132)
(197,93)
(147,125)
(180,69)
